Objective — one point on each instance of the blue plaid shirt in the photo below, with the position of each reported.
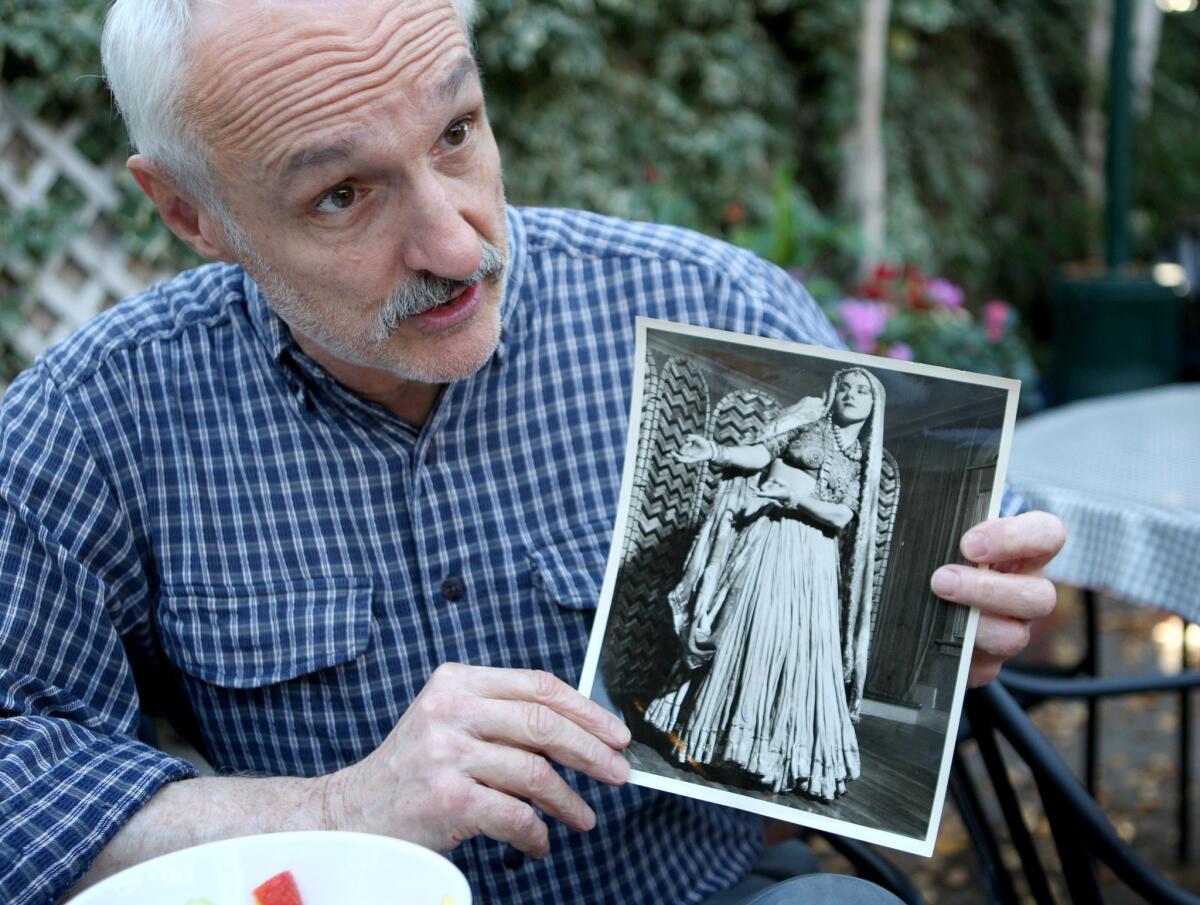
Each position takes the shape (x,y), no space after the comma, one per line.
(194,516)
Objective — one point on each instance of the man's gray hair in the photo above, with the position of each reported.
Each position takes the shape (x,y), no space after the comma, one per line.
(144,50)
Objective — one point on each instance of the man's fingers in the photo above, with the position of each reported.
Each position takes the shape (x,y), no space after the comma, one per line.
(996,639)
(536,727)
(1033,538)
(530,776)
(1000,637)
(984,668)
(1003,594)
(500,816)
(1009,595)
(541,688)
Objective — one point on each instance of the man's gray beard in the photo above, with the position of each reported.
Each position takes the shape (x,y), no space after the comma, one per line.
(417,294)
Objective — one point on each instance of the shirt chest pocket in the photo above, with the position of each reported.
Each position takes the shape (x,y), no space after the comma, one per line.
(568,566)
(255,636)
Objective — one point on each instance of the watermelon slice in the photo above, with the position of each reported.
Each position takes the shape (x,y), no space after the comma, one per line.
(279,890)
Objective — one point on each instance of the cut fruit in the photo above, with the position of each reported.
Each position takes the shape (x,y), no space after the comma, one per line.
(279,890)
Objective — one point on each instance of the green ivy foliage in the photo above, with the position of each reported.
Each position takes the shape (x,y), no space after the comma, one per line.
(49,58)
(50,68)
(670,110)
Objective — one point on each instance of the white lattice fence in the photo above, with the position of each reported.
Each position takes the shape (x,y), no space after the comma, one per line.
(91,271)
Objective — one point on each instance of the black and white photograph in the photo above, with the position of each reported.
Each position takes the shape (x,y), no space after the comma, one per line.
(767,629)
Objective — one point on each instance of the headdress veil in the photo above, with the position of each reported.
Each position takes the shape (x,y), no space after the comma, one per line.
(862,564)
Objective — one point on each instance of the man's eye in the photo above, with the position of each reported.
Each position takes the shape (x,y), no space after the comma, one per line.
(339,198)
(458,133)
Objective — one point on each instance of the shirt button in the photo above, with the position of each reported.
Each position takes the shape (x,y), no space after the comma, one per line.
(454,588)
(430,454)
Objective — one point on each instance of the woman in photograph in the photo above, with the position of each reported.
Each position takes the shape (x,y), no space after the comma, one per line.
(774,609)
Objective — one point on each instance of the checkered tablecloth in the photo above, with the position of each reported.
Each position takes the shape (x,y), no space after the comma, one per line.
(1123,473)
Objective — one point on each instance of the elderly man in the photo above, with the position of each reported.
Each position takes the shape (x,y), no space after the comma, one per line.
(286,498)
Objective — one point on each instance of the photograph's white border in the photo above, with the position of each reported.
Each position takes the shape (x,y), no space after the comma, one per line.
(897,841)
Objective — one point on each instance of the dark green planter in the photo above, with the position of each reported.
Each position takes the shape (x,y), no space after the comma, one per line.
(1114,334)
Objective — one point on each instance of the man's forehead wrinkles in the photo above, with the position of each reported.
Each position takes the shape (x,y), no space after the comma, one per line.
(249,59)
(260,99)
(313,120)
(304,80)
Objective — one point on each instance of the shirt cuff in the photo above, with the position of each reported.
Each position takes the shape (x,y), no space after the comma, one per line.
(54,825)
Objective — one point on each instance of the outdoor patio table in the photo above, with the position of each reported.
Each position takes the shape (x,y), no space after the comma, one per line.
(1123,473)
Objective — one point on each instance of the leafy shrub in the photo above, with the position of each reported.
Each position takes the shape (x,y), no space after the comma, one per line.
(901,313)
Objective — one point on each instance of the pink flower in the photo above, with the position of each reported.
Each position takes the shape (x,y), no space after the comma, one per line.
(995,320)
(944,293)
(900,351)
(864,321)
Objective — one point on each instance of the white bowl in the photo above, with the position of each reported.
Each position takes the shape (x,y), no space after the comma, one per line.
(330,869)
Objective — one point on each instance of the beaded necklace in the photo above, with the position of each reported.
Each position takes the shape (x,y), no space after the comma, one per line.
(852,452)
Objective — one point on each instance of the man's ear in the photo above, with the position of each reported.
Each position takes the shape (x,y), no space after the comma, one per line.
(191,222)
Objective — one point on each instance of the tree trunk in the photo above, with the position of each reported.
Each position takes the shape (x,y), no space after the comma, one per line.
(864,173)
(1147,28)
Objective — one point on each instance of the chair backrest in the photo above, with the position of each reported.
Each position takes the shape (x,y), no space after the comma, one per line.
(872,865)
(1083,835)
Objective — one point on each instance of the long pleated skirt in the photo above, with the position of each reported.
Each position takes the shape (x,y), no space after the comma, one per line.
(772,699)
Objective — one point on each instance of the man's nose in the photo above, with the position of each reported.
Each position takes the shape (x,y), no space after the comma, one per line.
(438,239)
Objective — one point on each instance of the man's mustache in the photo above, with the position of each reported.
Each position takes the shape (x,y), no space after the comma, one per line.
(425,291)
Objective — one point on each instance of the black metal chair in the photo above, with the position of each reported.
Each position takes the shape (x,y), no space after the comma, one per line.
(1035,683)
(1088,664)
(1028,687)
(1083,836)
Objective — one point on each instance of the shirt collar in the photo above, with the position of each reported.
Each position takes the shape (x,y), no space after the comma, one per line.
(514,270)
(514,273)
(277,338)
(269,326)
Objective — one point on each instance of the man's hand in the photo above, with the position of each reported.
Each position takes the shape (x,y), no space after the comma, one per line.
(473,744)
(1011,593)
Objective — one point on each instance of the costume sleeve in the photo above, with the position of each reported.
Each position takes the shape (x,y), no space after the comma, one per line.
(73,594)
(776,443)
